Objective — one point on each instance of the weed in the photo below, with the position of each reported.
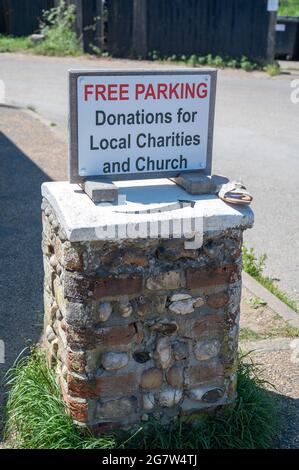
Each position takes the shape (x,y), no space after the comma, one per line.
(37,417)
(57,27)
(256,302)
(254,266)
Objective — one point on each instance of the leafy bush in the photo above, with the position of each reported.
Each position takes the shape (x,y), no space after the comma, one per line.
(37,418)
(57,26)
(273,69)
(288,8)
(246,65)
(210,60)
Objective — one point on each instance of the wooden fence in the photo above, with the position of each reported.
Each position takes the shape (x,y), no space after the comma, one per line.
(220,27)
(229,28)
(21,17)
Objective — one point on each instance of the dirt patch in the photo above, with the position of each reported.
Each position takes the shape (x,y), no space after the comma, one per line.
(259,321)
(280,369)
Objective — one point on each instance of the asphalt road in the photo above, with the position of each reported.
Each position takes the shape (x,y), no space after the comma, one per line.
(256,139)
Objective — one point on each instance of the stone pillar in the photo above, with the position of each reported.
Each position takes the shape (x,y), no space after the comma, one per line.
(139,326)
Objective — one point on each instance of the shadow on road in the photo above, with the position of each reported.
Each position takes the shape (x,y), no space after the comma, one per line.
(21,272)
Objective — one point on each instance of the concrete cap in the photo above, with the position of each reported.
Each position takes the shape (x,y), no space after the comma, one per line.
(141,202)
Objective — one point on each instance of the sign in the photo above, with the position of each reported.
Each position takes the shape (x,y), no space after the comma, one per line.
(272,5)
(280,27)
(126,125)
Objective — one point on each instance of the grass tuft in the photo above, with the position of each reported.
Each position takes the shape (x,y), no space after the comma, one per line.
(254,266)
(36,414)
(14,44)
(247,334)
(273,69)
(57,27)
(37,418)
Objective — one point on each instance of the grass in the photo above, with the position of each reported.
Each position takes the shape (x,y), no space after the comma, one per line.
(254,266)
(273,69)
(56,26)
(37,418)
(246,334)
(256,302)
(288,8)
(15,44)
(60,40)
(217,61)
(287,331)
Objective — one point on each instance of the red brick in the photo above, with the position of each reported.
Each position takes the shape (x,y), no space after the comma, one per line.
(116,385)
(208,326)
(197,278)
(136,257)
(115,286)
(78,410)
(218,300)
(203,373)
(116,335)
(79,387)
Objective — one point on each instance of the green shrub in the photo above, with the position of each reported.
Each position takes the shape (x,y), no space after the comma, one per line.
(233,64)
(37,418)
(57,26)
(246,65)
(193,60)
(288,8)
(219,62)
(273,69)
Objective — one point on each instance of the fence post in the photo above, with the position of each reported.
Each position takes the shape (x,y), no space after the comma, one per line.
(88,26)
(139,42)
(271,36)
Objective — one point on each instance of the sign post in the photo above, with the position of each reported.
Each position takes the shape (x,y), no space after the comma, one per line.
(140,124)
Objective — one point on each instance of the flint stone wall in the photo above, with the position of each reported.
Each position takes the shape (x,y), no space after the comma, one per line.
(135,328)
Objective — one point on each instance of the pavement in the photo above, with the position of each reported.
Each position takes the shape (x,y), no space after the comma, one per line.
(256,140)
(24,140)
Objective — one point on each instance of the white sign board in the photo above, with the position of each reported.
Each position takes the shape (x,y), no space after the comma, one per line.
(273,5)
(280,27)
(141,124)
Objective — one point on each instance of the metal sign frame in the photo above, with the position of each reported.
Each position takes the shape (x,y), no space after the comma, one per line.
(74,176)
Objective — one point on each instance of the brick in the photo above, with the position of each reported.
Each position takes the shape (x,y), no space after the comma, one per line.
(116,335)
(208,326)
(78,410)
(203,373)
(218,300)
(116,286)
(136,257)
(116,385)
(197,278)
(164,281)
(80,387)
